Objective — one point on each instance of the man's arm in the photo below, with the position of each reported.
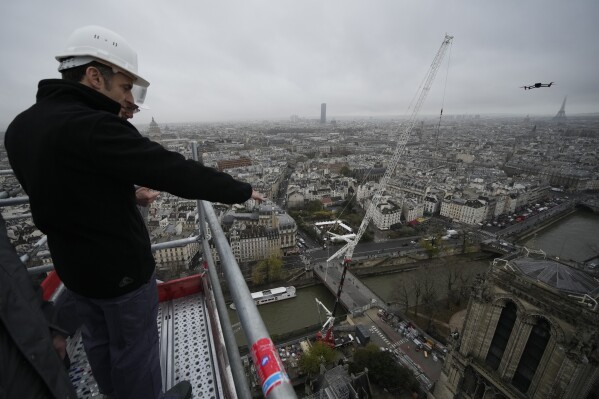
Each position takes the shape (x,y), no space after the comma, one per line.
(120,150)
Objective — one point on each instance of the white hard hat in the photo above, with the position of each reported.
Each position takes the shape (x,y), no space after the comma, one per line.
(92,43)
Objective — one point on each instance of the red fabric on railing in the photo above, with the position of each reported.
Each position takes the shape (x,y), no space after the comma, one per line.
(50,284)
(179,288)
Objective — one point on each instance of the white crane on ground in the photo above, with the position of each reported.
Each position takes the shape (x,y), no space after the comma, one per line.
(326,332)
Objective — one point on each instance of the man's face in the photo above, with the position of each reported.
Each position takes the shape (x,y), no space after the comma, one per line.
(128,108)
(119,88)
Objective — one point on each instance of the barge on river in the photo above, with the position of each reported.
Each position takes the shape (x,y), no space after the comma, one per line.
(272,295)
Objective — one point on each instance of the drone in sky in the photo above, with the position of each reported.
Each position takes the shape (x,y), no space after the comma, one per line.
(536,86)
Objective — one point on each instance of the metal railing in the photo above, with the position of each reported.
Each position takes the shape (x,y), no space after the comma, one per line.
(271,372)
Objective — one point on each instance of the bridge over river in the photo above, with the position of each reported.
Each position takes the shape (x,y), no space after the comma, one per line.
(355,296)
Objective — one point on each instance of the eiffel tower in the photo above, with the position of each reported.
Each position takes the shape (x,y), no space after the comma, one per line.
(560,118)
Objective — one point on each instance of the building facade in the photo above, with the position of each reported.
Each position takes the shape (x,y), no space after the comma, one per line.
(531,332)
(387,213)
(266,232)
(464,211)
(233,163)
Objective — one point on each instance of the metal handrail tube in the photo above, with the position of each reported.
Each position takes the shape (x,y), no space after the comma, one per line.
(167,244)
(237,370)
(15,217)
(175,243)
(241,385)
(40,269)
(7,172)
(14,201)
(253,327)
(35,249)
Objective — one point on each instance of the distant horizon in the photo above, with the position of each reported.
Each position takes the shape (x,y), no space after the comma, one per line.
(316,118)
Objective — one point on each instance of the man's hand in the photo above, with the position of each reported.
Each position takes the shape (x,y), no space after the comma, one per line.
(144,196)
(60,344)
(257,196)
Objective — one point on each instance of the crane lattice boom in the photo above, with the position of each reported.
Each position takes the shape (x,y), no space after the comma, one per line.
(403,137)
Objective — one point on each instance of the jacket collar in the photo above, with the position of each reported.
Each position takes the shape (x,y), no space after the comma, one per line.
(59,89)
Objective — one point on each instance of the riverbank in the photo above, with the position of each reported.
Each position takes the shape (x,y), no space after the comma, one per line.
(545,224)
(404,264)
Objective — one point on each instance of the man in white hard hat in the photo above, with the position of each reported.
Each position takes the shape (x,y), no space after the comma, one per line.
(79,163)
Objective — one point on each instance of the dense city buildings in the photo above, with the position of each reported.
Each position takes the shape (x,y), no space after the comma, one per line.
(488,169)
(528,332)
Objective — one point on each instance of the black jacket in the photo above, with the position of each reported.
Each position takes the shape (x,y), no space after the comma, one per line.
(78,162)
(29,364)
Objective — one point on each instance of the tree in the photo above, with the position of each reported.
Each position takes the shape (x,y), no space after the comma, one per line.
(454,272)
(322,215)
(417,293)
(431,249)
(429,296)
(383,369)
(402,295)
(345,171)
(319,353)
(313,206)
(275,266)
(267,270)
(259,274)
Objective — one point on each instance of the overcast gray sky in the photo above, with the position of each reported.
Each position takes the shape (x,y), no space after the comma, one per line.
(246,59)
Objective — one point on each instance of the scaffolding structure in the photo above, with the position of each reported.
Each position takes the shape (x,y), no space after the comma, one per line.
(193,322)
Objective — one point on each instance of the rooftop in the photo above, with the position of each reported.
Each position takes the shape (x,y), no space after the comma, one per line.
(557,275)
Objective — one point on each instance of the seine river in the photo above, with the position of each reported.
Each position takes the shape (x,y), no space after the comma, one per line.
(575,237)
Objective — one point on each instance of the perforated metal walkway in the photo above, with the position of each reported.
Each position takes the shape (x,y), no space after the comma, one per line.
(186,351)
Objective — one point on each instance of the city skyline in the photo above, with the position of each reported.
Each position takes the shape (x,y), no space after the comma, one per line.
(235,61)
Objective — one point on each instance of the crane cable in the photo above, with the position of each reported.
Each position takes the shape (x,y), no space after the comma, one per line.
(364,179)
(443,99)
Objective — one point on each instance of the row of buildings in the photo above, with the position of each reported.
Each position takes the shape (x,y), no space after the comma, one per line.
(464,171)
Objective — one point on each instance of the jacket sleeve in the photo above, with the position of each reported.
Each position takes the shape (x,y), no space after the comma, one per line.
(119,149)
(22,316)
(32,293)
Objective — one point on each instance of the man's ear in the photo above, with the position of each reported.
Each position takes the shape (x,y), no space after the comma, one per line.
(93,78)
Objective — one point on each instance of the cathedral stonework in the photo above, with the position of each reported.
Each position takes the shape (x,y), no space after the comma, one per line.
(531,331)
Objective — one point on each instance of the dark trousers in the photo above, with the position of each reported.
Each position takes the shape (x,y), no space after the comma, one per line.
(120,338)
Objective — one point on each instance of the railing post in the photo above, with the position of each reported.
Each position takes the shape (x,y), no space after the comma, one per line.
(271,372)
(237,370)
(270,369)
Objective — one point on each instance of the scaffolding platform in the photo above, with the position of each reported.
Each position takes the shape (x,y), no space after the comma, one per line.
(187,347)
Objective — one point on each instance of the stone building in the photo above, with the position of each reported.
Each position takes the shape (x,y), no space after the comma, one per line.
(254,242)
(266,232)
(178,261)
(531,331)
(386,214)
(233,163)
(464,211)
